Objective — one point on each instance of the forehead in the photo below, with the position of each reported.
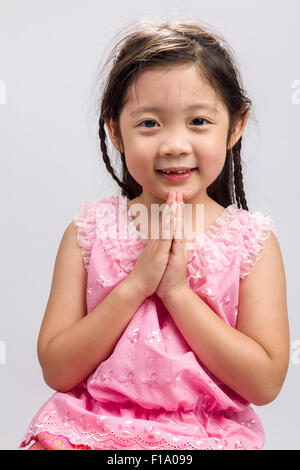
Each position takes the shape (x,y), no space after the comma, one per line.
(171,87)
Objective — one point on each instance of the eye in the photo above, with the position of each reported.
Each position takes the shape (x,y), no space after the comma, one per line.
(200,119)
(153,121)
(147,120)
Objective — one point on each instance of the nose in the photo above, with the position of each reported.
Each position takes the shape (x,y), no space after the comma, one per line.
(175,144)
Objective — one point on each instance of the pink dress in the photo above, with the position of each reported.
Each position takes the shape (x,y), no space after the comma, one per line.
(153,392)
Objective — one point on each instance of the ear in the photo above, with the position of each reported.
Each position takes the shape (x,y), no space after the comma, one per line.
(238,130)
(112,129)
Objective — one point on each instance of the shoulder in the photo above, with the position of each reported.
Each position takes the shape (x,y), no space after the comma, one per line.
(266,274)
(89,211)
(94,219)
(265,258)
(249,231)
(260,242)
(258,231)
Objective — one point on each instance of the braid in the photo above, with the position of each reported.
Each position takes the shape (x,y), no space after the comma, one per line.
(221,189)
(131,188)
(238,176)
(102,136)
(231,177)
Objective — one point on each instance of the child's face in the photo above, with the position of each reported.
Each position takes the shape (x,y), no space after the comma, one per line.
(174,136)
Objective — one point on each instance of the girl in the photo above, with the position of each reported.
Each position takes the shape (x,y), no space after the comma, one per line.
(183,333)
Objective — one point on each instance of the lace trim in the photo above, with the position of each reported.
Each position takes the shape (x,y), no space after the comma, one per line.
(236,229)
(212,250)
(216,248)
(255,237)
(111,440)
(85,223)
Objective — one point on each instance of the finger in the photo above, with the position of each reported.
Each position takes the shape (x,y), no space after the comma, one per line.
(180,216)
(157,228)
(168,219)
(179,197)
(179,246)
(171,221)
(171,197)
(171,208)
(179,222)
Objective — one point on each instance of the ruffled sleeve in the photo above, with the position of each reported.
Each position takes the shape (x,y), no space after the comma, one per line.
(257,232)
(85,222)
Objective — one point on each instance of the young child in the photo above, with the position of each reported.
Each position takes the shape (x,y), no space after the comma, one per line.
(155,338)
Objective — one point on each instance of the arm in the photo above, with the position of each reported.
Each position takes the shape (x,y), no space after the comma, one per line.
(72,344)
(76,352)
(252,359)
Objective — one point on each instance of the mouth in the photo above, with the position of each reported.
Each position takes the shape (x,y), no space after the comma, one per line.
(176,171)
(176,176)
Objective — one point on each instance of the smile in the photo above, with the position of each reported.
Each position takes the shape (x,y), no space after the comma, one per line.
(177,177)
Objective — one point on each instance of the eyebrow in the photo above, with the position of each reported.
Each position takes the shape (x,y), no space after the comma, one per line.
(157,109)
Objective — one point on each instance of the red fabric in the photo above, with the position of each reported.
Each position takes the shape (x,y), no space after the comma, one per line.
(47,441)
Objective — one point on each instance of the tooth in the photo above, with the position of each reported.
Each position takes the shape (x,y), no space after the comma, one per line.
(176,172)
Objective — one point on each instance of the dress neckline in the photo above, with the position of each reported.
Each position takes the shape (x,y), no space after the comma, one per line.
(212,229)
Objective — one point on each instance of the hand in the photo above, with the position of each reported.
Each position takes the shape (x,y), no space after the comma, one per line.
(153,260)
(174,278)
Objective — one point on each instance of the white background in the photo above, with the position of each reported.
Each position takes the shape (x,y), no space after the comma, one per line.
(51,162)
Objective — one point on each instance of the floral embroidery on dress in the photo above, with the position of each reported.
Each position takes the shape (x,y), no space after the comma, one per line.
(174,380)
(153,392)
(153,337)
(134,335)
(150,380)
(126,379)
(103,281)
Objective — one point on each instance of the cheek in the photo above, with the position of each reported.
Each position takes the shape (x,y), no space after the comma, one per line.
(137,163)
(139,156)
(212,159)
(211,163)
(138,150)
